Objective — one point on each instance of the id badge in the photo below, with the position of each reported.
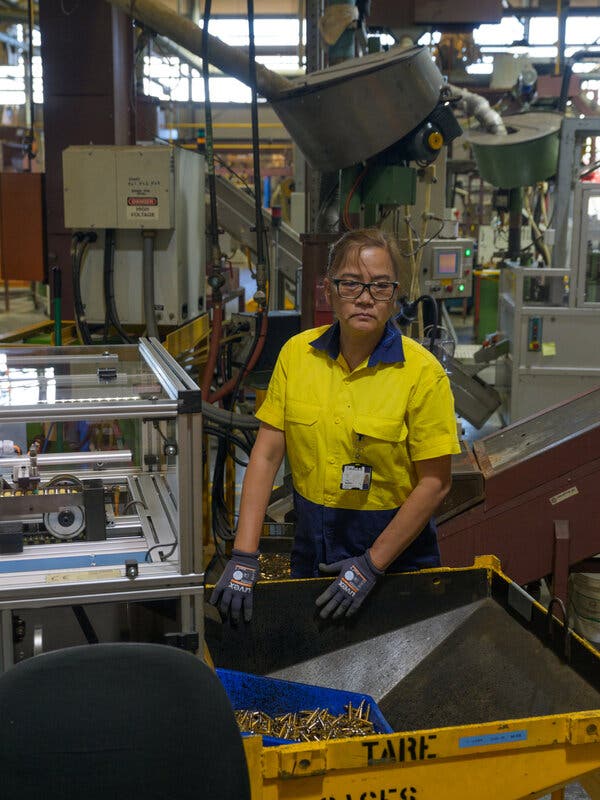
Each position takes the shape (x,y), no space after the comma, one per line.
(356,476)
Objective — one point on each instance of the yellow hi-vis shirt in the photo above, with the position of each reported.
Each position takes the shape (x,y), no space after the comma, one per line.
(392,410)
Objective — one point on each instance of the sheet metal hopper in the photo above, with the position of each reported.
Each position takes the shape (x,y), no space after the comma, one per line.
(539,510)
(461,662)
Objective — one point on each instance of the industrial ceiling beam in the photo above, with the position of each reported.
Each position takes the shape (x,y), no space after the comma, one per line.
(234,62)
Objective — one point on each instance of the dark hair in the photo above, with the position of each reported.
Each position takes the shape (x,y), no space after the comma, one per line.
(359,240)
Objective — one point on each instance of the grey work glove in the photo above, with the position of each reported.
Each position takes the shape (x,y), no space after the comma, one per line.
(357,576)
(235,587)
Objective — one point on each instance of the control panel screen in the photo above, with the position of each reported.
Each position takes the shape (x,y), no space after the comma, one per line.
(447,263)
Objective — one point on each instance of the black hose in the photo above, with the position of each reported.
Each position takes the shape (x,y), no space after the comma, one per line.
(210,159)
(79,244)
(408,312)
(260,256)
(148,280)
(242,372)
(110,305)
(29,74)
(85,624)
(427,299)
(225,434)
(221,527)
(242,422)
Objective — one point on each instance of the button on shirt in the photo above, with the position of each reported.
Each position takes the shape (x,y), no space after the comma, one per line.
(394,409)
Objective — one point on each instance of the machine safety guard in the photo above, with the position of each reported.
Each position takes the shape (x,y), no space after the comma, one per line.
(501,760)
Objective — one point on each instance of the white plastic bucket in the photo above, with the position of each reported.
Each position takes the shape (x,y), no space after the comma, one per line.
(584,605)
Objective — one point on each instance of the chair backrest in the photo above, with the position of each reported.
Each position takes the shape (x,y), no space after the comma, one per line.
(111,721)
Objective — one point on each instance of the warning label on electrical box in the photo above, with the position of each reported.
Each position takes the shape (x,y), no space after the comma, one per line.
(142,208)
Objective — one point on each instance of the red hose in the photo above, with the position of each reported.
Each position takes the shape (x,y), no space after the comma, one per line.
(213,350)
(227,387)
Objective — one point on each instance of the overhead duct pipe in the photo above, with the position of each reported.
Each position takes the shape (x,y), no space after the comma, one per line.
(232,61)
(477,106)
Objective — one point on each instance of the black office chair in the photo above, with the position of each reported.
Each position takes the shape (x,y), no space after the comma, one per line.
(111,721)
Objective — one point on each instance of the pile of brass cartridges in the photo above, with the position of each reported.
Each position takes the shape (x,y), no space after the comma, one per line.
(274,566)
(309,726)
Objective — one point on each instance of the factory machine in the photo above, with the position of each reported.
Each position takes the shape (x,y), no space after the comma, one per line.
(547,312)
(99,545)
(551,314)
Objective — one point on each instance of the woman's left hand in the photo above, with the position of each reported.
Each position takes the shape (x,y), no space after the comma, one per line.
(357,576)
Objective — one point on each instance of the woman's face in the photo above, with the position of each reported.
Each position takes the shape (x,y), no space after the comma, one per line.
(363,314)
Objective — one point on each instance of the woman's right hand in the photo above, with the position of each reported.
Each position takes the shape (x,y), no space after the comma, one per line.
(234,590)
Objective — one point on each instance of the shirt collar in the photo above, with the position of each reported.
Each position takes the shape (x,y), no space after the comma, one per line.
(388,350)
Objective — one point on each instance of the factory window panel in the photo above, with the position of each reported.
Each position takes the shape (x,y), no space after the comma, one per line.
(483,67)
(267,32)
(582,30)
(285,65)
(551,291)
(12,98)
(430,38)
(222,90)
(12,83)
(168,78)
(543,30)
(533,53)
(386,39)
(18,31)
(508,31)
(589,155)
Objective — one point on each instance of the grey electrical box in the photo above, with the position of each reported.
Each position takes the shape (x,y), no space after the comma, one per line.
(132,190)
(119,187)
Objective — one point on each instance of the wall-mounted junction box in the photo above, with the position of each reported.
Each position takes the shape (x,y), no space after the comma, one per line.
(132,189)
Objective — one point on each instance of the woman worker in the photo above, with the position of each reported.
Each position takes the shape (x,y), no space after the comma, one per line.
(366,417)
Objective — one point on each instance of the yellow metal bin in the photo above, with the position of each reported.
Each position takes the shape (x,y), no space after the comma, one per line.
(490,695)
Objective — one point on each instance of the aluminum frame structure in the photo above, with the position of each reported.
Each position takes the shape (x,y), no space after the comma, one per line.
(154,554)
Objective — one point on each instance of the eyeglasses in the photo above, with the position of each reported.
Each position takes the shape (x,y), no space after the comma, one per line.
(352,290)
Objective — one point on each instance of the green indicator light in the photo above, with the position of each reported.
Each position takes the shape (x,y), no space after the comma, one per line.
(468,252)
(461,287)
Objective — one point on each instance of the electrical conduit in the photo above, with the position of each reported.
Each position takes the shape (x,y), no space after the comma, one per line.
(148,281)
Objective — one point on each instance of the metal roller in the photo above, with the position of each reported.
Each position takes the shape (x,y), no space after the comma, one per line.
(67,523)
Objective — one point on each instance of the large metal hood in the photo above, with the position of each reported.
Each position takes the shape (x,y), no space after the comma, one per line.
(348,113)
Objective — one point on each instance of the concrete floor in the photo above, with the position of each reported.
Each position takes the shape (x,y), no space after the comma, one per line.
(22,310)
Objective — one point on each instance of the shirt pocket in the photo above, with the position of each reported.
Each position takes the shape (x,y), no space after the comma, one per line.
(301,435)
(381,429)
(383,446)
